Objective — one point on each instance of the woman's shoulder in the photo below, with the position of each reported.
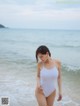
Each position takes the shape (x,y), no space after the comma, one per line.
(40,65)
(58,63)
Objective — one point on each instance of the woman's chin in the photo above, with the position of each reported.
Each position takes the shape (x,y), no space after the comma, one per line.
(44,61)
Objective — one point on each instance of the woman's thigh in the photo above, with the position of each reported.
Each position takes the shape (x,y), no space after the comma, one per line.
(50,99)
(40,98)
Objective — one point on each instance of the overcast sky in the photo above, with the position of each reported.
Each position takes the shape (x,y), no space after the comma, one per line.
(48,14)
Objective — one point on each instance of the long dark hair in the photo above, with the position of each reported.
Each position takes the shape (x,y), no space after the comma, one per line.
(43,50)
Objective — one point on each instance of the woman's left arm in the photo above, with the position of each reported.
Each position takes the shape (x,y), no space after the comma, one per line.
(59,81)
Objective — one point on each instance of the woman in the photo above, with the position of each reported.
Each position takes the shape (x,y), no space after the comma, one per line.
(48,75)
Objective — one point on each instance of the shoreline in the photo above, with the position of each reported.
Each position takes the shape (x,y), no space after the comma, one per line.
(21,93)
(20,88)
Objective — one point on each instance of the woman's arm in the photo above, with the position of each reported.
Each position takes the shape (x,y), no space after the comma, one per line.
(39,87)
(59,81)
(38,75)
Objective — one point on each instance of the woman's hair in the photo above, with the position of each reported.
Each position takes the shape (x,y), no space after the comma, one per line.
(43,50)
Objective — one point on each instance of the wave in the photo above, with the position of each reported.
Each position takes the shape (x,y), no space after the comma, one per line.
(65,46)
(70,68)
(30,63)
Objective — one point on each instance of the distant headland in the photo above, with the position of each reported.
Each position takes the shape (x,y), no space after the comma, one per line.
(2,26)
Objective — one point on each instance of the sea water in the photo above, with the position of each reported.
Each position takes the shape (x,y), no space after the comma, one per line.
(18,63)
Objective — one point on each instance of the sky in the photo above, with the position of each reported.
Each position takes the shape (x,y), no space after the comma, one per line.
(40,14)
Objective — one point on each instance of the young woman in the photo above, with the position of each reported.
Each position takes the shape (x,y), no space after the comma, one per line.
(48,76)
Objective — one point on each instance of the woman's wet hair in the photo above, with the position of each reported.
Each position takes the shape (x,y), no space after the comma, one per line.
(43,50)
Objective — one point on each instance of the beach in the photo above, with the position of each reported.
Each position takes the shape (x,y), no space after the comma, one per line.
(18,64)
(21,91)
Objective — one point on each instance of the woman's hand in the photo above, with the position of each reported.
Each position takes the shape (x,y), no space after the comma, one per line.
(60,97)
(40,88)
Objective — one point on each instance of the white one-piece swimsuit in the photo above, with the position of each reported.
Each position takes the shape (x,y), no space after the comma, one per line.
(48,80)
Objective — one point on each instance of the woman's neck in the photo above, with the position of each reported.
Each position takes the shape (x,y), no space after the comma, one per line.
(48,61)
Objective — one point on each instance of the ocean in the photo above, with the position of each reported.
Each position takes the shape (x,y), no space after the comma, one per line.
(18,63)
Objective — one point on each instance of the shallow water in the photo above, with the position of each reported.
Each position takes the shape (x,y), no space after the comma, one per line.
(18,64)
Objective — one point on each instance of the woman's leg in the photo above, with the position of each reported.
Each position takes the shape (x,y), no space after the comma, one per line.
(50,99)
(40,98)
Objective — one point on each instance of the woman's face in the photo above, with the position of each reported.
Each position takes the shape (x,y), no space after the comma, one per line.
(43,57)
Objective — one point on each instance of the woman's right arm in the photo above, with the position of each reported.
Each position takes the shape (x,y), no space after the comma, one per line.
(39,87)
(38,75)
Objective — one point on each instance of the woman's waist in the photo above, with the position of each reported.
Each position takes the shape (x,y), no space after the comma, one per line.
(47,83)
